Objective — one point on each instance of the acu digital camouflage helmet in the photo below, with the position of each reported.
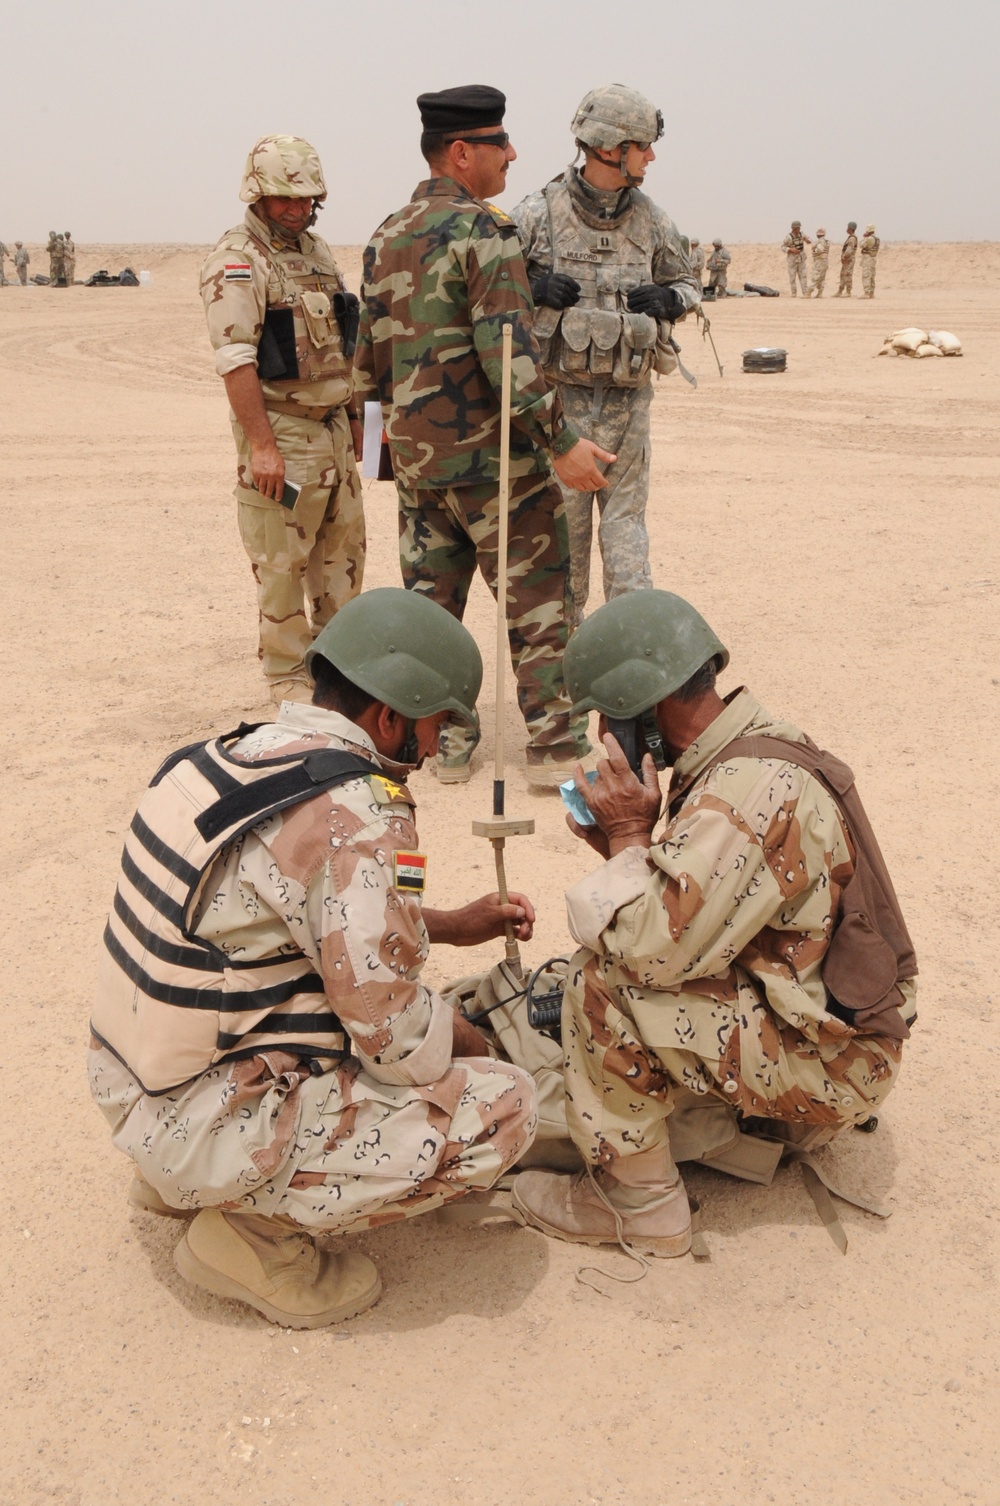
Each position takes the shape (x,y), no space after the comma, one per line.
(405,650)
(613,114)
(636,650)
(285,166)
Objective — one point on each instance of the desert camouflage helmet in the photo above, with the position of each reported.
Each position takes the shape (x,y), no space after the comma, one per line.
(285,166)
(405,650)
(636,650)
(613,114)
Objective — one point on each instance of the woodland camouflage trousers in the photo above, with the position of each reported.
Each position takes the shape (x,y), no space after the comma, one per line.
(445,533)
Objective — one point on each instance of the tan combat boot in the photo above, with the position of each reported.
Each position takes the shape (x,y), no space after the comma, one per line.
(273,1265)
(582,1209)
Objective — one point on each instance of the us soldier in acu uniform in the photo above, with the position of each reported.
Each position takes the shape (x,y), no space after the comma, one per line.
(69,258)
(441,278)
(263,1048)
(718,268)
(56,252)
(697,259)
(821,262)
(609,276)
(283,326)
(794,246)
(752,958)
(869,250)
(848,253)
(21,262)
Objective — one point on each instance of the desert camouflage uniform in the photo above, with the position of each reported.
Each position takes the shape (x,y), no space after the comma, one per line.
(697,258)
(718,268)
(390,1131)
(56,253)
(869,251)
(441,277)
(610,242)
(848,252)
(21,261)
(69,258)
(701,960)
(821,262)
(309,559)
(794,247)
(4,253)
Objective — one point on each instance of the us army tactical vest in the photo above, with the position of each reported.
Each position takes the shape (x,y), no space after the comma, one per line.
(170,1005)
(598,340)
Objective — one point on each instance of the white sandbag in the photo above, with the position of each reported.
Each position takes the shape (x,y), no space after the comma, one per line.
(927,350)
(911,329)
(888,349)
(907,339)
(949,345)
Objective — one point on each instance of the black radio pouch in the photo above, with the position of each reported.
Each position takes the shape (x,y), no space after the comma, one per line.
(277,360)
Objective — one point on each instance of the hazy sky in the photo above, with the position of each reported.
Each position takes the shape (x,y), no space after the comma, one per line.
(129,122)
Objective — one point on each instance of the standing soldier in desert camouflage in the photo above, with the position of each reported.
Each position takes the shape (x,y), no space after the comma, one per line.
(718,269)
(263,1047)
(283,326)
(4,253)
(56,251)
(697,259)
(869,251)
(21,261)
(441,278)
(609,277)
(821,262)
(69,258)
(794,246)
(848,252)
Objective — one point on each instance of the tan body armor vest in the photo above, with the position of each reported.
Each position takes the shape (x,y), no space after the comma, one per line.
(598,340)
(170,1005)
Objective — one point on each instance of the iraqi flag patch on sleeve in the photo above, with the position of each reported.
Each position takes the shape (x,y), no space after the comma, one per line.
(409,872)
(237,271)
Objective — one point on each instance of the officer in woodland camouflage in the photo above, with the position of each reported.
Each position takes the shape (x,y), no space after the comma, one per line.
(697,260)
(21,262)
(752,958)
(869,251)
(610,276)
(794,246)
(848,253)
(69,258)
(821,262)
(263,1048)
(718,269)
(283,327)
(441,278)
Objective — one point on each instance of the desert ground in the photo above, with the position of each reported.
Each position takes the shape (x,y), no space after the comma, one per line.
(837,525)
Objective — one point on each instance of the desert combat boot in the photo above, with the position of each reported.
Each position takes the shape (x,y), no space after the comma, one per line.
(274,1266)
(591,1208)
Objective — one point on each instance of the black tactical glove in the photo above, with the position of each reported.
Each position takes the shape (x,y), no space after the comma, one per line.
(556,290)
(658,303)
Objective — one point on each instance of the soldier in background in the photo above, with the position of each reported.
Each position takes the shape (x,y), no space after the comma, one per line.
(441,278)
(697,259)
(869,251)
(609,277)
(821,262)
(283,327)
(263,1046)
(848,252)
(794,246)
(718,269)
(4,253)
(69,258)
(56,253)
(21,260)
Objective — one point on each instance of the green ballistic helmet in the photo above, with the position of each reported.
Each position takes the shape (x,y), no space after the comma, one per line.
(405,650)
(636,650)
(285,166)
(613,114)
(852,224)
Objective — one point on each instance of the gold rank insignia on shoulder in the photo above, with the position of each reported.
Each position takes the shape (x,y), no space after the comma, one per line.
(410,872)
(387,791)
(500,215)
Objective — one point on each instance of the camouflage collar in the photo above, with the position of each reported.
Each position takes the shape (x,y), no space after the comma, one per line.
(742,709)
(598,206)
(264,231)
(446,188)
(299,717)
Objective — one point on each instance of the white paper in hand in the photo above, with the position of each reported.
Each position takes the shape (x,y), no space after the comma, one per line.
(372,443)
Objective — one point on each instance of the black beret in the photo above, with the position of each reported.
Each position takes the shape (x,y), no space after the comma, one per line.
(467,109)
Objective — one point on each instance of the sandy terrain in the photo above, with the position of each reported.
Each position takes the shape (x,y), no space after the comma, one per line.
(837,525)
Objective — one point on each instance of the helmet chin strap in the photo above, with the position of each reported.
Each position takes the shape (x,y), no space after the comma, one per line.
(408,752)
(630,179)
